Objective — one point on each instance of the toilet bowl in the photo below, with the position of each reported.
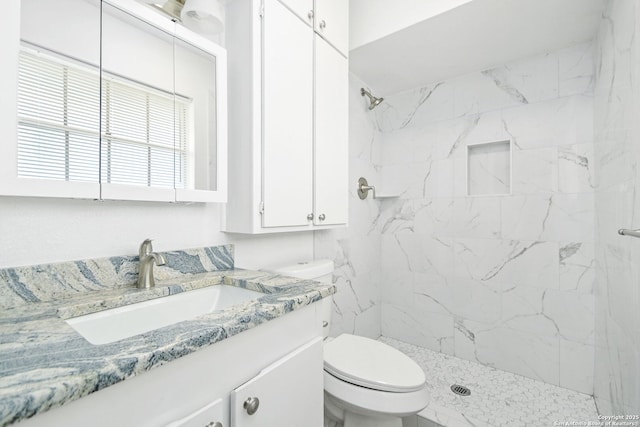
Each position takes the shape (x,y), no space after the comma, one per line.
(366,382)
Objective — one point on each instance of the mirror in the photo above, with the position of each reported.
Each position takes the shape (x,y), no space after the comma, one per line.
(195,80)
(59,90)
(114,92)
(138,107)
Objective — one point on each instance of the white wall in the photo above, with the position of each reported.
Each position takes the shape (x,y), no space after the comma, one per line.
(39,230)
(373,19)
(617,155)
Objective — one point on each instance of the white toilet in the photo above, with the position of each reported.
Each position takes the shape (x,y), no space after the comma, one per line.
(366,382)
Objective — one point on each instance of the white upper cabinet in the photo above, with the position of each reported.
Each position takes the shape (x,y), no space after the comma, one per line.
(288,117)
(331,152)
(331,21)
(302,8)
(288,121)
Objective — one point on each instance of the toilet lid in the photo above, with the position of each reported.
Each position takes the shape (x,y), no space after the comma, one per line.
(372,364)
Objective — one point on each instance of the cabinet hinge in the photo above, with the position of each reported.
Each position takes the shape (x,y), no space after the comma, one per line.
(261,208)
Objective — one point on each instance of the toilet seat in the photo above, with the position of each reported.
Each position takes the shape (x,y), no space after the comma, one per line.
(363,400)
(372,364)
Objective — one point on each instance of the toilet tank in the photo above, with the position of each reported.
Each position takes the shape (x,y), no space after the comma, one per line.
(319,270)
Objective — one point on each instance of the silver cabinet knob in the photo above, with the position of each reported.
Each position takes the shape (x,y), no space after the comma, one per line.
(321,217)
(214,424)
(323,25)
(310,15)
(310,217)
(251,405)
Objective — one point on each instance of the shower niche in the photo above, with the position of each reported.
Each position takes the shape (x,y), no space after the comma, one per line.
(489,168)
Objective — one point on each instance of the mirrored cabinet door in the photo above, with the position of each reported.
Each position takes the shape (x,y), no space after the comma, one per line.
(197,129)
(137,110)
(58,92)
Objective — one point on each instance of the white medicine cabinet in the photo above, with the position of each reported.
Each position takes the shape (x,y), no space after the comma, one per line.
(111,100)
(288,115)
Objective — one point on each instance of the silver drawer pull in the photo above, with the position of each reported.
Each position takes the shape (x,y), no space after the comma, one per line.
(214,424)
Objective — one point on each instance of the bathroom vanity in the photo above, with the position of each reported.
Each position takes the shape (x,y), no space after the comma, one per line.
(257,363)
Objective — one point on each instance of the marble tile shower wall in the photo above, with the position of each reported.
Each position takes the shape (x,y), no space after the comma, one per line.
(617,129)
(504,280)
(355,249)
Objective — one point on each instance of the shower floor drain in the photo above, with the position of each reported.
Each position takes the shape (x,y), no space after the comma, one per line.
(460,390)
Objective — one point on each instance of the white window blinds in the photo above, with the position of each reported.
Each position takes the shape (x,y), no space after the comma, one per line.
(58,119)
(145,132)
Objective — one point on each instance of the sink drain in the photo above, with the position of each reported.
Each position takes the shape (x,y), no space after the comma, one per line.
(460,390)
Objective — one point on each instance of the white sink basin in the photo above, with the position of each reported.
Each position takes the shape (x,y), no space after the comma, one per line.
(123,322)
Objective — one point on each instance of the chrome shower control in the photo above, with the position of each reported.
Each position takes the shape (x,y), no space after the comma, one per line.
(251,405)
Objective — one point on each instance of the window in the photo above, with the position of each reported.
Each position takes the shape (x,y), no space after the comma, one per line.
(147,134)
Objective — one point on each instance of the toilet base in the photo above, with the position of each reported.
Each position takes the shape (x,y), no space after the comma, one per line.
(352,419)
(336,416)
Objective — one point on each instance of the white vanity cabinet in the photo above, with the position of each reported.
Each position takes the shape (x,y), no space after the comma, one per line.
(287,383)
(279,362)
(288,117)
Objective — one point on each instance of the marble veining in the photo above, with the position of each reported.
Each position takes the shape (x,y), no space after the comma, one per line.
(617,204)
(24,285)
(44,363)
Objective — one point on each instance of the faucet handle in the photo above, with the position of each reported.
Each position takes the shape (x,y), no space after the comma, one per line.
(146,248)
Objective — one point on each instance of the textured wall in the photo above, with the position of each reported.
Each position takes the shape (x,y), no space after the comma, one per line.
(617,112)
(505,280)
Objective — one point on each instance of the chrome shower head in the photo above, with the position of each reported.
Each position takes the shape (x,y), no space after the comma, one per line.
(373,101)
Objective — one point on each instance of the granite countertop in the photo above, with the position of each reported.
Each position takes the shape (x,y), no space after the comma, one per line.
(45,363)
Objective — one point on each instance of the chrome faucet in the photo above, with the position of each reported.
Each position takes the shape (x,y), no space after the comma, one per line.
(147,259)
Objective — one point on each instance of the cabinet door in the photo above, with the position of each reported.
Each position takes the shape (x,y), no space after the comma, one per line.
(215,412)
(302,8)
(331,146)
(287,114)
(290,392)
(332,23)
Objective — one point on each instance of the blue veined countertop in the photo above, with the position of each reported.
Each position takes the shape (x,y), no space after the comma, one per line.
(45,363)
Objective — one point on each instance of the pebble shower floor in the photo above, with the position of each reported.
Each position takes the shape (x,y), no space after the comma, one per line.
(497,398)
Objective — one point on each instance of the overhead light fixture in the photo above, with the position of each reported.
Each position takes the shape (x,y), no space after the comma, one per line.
(173,8)
(203,16)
